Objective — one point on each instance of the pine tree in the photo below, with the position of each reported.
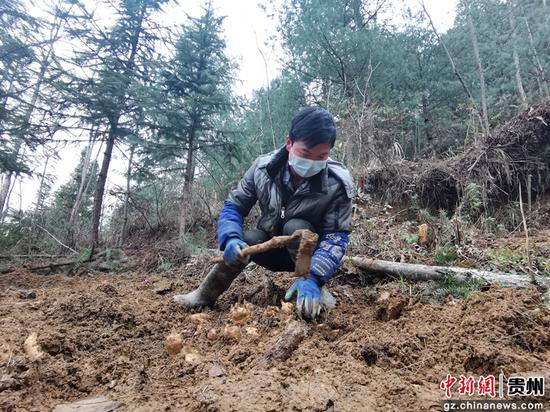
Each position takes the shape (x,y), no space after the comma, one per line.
(197,88)
(116,66)
(16,58)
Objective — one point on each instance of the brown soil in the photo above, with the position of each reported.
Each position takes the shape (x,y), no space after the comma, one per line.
(105,335)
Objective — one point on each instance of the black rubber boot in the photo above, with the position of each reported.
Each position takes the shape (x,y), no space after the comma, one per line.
(213,285)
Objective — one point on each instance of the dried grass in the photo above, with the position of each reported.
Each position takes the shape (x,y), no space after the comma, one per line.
(515,150)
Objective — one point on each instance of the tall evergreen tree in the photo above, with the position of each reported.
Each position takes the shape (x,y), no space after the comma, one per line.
(197,86)
(115,67)
(16,58)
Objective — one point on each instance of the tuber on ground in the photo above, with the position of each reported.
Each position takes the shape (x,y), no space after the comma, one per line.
(174,343)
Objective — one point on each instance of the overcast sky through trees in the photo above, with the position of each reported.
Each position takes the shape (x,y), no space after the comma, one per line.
(248,32)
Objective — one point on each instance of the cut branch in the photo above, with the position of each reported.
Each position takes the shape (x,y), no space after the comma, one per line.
(273,243)
(56,239)
(441,273)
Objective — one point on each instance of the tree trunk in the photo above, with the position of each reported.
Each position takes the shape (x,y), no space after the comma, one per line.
(6,178)
(8,195)
(39,200)
(40,196)
(541,74)
(426,117)
(113,124)
(157,205)
(4,191)
(126,198)
(44,64)
(81,189)
(20,211)
(441,273)
(473,35)
(519,82)
(189,174)
(101,180)
(451,61)
(189,167)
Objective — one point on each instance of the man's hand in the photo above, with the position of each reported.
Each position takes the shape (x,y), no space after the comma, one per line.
(309,296)
(232,252)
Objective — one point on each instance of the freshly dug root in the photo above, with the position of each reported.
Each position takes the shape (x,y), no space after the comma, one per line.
(288,342)
(308,242)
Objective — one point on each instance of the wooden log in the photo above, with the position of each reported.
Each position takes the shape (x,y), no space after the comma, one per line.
(98,404)
(10,257)
(439,273)
(288,342)
(54,265)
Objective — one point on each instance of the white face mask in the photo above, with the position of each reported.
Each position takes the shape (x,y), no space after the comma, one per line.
(305,167)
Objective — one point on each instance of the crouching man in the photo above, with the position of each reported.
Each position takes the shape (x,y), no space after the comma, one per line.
(297,187)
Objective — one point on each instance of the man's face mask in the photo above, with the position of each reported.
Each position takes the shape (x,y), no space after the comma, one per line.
(305,167)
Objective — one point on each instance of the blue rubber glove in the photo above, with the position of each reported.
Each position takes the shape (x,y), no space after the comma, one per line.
(232,252)
(309,297)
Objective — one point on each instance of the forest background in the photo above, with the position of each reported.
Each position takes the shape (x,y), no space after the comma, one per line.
(114,77)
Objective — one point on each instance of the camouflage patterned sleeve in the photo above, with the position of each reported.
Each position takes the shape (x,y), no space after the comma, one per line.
(328,256)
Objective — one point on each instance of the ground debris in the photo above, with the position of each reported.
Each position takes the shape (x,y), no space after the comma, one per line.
(164,287)
(389,306)
(216,371)
(99,404)
(8,382)
(32,348)
(27,294)
(288,342)
(96,342)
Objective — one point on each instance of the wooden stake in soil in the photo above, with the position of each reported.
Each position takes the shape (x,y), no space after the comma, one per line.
(527,249)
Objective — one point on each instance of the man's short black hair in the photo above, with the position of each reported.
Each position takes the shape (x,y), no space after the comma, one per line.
(313,126)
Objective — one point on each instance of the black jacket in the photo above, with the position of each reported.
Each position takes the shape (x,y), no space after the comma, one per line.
(323,199)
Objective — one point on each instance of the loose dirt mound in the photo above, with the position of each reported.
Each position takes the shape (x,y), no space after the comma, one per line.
(105,335)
